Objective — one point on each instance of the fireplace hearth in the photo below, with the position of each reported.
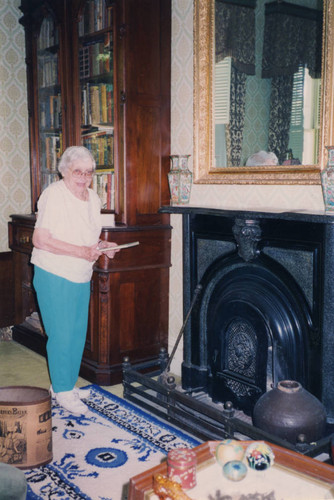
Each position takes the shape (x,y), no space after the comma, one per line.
(264,314)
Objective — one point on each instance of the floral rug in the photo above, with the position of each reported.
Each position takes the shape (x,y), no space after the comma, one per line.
(95,455)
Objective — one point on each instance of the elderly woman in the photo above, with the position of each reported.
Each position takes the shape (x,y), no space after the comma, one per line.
(66,245)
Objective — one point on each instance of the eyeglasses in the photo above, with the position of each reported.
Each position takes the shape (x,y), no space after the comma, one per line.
(78,174)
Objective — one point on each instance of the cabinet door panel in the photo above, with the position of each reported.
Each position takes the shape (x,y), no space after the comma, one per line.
(144,31)
(147,109)
(128,317)
(141,328)
(148,161)
(6,289)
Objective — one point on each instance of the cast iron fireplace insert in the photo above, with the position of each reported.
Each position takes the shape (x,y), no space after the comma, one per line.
(265,313)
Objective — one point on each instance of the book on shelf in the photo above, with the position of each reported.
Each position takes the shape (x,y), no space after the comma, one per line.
(47,178)
(48,74)
(96,16)
(103,104)
(103,127)
(50,112)
(110,106)
(104,185)
(85,109)
(101,145)
(97,103)
(51,149)
(48,36)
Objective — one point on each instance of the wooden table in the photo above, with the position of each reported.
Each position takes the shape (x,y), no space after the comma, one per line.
(141,486)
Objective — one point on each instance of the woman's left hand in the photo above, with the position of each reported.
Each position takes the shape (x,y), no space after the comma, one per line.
(107,244)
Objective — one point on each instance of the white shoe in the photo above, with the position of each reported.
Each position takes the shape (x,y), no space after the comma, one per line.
(82,393)
(70,401)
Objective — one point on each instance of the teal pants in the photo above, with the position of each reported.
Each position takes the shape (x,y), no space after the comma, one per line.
(64,309)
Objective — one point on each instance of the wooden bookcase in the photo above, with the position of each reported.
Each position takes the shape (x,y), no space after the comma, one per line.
(98,74)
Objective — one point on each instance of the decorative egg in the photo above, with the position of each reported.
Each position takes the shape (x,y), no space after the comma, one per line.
(259,456)
(235,470)
(229,450)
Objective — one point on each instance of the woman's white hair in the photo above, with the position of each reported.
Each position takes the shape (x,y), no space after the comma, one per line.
(74,153)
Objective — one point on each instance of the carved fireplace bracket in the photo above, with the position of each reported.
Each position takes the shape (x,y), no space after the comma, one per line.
(247,234)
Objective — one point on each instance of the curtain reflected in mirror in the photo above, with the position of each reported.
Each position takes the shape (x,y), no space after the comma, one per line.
(267,82)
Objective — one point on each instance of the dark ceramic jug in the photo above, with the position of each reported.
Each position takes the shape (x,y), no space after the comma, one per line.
(289,411)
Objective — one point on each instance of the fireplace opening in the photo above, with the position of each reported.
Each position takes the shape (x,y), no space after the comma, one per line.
(254,330)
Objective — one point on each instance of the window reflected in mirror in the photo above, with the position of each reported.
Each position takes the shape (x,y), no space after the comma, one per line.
(267,82)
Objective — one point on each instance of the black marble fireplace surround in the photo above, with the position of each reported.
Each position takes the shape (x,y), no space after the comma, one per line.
(264,313)
(266,310)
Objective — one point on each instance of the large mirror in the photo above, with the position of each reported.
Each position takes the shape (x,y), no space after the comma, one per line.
(277,115)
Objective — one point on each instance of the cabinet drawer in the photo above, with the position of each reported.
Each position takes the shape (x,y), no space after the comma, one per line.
(21,238)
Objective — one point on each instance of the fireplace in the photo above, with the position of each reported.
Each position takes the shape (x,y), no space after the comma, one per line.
(260,316)
(265,310)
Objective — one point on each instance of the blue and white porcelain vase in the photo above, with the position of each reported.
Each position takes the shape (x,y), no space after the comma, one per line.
(180,180)
(327,181)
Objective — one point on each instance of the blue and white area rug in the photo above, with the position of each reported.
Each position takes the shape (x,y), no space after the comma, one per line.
(95,455)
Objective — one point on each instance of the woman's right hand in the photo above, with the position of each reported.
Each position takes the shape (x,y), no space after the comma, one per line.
(91,253)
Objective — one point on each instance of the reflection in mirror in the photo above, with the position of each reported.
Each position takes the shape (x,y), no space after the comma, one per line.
(205,171)
(267,82)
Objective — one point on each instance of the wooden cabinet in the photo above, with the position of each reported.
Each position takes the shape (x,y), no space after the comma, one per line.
(25,330)
(6,290)
(130,52)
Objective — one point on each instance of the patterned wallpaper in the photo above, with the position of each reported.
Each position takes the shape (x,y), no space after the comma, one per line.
(14,146)
(14,149)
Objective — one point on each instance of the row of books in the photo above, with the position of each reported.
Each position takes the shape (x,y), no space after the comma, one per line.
(47,178)
(48,71)
(95,59)
(50,113)
(97,103)
(104,185)
(96,16)
(48,36)
(101,145)
(51,151)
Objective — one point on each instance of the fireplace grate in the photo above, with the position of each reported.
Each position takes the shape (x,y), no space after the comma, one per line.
(196,414)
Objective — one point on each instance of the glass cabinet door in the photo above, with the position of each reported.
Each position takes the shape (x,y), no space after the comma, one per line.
(49,102)
(96,76)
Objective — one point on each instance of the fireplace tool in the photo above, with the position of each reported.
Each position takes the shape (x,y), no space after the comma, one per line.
(165,378)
